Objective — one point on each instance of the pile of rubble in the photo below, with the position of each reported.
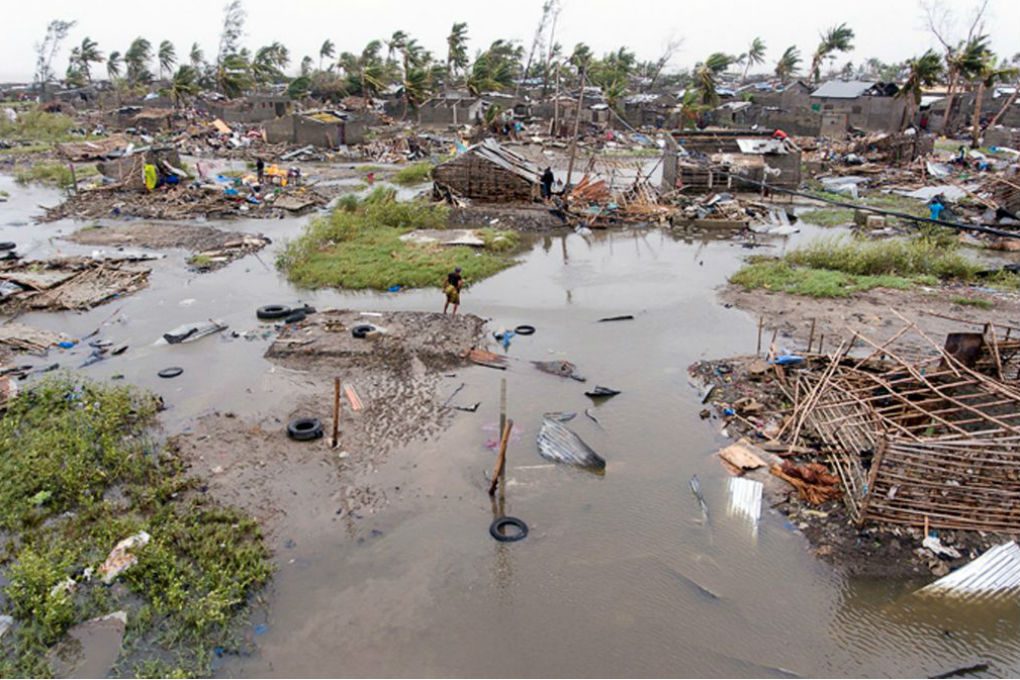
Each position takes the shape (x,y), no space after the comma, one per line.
(904,441)
(68,283)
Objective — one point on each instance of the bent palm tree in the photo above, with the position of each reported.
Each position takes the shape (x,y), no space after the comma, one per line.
(167,57)
(113,64)
(87,54)
(922,72)
(836,39)
(183,84)
(755,56)
(788,64)
(327,51)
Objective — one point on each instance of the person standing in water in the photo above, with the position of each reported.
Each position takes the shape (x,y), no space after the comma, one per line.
(454,281)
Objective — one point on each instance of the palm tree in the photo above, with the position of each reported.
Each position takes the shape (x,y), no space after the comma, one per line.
(705,78)
(456,49)
(306,65)
(86,54)
(986,77)
(365,73)
(327,51)
(788,64)
(396,43)
(754,57)
(167,56)
(113,63)
(269,62)
(836,39)
(924,71)
(300,87)
(183,84)
(233,74)
(195,56)
(137,59)
(965,62)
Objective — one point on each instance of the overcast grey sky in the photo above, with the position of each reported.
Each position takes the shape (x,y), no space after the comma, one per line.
(891,30)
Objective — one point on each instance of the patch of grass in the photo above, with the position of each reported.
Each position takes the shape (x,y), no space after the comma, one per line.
(358,246)
(899,257)
(365,169)
(778,275)
(840,267)
(4,194)
(27,149)
(200,261)
(415,173)
(55,173)
(77,475)
(828,217)
(972,302)
(1003,280)
(37,126)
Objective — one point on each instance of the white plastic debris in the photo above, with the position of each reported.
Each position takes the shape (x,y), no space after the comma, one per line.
(121,557)
(935,545)
(745,498)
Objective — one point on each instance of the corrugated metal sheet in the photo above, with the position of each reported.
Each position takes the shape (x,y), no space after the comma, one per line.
(745,498)
(995,574)
(840,89)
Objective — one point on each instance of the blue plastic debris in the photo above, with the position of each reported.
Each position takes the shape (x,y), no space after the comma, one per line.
(729,412)
(261,629)
(65,344)
(394,289)
(787,360)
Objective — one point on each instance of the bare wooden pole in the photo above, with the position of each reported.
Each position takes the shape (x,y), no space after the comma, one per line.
(501,462)
(336,410)
(74,179)
(577,127)
(502,404)
(761,326)
(811,336)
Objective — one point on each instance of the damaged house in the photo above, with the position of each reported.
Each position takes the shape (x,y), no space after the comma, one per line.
(863,105)
(255,108)
(327,129)
(715,160)
(488,172)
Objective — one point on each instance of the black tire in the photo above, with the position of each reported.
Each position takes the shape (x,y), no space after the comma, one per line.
(525,329)
(304,429)
(295,316)
(500,522)
(171,372)
(8,245)
(362,330)
(272,312)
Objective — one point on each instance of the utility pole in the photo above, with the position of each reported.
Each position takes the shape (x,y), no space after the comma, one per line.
(577,127)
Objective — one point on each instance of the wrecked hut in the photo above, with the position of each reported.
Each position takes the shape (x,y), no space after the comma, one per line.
(700,161)
(931,442)
(488,172)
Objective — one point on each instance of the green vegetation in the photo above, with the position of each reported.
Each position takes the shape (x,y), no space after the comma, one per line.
(358,246)
(829,217)
(412,174)
(778,275)
(56,173)
(37,126)
(77,475)
(840,267)
(972,302)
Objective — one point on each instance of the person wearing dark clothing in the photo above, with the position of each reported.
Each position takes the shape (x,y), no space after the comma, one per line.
(454,281)
(547,181)
(260,168)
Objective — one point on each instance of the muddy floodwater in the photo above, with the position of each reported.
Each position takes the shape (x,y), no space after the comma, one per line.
(620,575)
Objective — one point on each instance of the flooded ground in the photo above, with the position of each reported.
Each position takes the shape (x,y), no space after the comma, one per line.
(620,574)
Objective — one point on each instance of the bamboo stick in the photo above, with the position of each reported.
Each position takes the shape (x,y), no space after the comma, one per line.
(501,461)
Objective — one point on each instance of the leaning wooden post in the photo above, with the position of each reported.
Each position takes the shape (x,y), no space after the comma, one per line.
(501,462)
(577,126)
(502,405)
(811,337)
(761,325)
(336,410)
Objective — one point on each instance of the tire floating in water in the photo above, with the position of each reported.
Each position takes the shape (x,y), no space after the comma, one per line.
(525,329)
(296,316)
(171,372)
(8,245)
(272,312)
(496,529)
(304,429)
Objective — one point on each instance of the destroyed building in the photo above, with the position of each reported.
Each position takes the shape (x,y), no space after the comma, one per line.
(327,129)
(716,160)
(255,108)
(488,172)
(858,104)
